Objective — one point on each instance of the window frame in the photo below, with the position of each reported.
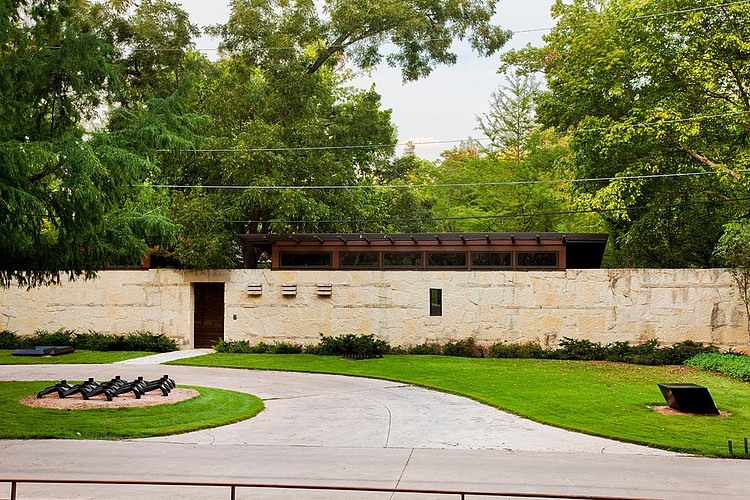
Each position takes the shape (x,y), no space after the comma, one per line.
(283,254)
(418,265)
(556,265)
(354,266)
(436,302)
(492,266)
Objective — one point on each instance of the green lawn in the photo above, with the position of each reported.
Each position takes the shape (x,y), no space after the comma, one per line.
(604,399)
(74,358)
(212,408)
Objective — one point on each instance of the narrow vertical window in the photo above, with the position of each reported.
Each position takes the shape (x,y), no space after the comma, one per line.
(436,302)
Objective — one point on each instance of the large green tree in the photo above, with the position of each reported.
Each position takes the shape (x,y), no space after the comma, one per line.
(69,201)
(654,94)
(298,145)
(477,192)
(420,31)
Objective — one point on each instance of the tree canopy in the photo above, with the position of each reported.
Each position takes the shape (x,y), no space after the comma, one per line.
(325,33)
(69,201)
(654,94)
(294,145)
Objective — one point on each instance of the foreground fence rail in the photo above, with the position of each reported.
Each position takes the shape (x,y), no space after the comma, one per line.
(234,486)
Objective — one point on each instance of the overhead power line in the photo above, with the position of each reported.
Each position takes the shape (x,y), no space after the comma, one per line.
(471,217)
(447,185)
(309,148)
(447,141)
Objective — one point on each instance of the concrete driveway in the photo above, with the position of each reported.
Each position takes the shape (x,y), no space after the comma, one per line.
(332,430)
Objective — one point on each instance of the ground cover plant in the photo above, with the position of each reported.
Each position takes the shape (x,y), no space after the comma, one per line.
(212,408)
(93,341)
(732,365)
(613,400)
(74,358)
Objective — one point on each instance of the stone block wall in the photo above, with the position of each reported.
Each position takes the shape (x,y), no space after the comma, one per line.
(603,305)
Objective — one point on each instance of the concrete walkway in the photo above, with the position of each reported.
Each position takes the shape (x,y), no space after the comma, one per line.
(323,429)
(157,359)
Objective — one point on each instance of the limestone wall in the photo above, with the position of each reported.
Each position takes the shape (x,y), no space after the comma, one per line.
(157,300)
(600,305)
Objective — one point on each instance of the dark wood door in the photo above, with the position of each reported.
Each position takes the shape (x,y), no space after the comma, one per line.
(208,316)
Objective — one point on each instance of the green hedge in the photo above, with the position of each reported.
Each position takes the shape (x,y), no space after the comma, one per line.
(91,341)
(732,365)
(647,353)
(367,346)
(245,347)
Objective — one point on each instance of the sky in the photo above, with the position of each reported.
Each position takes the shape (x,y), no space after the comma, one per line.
(443,106)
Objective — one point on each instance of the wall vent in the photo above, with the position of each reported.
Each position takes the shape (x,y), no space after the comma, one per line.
(325,290)
(255,289)
(289,289)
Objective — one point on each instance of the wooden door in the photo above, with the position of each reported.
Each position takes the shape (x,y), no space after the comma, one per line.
(208,316)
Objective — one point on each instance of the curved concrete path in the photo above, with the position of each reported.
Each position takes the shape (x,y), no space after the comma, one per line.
(304,409)
(332,430)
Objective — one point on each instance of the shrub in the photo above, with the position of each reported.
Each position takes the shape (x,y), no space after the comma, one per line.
(8,340)
(731,365)
(233,346)
(466,348)
(426,349)
(351,346)
(646,353)
(244,347)
(523,350)
(682,351)
(580,350)
(144,341)
(92,341)
(95,341)
(43,337)
(287,348)
(367,346)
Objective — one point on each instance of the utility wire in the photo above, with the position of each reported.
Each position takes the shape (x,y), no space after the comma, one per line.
(309,148)
(427,186)
(662,122)
(470,217)
(447,141)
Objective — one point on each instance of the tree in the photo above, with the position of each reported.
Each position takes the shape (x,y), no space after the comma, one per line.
(485,192)
(297,144)
(68,201)
(656,103)
(156,42)
(733,251)
(422,31)
(511,117)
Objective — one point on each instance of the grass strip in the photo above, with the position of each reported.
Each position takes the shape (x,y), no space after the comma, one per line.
(74,358)
(611,400)
(212,408)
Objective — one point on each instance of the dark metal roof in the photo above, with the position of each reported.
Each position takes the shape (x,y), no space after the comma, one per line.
(270,239)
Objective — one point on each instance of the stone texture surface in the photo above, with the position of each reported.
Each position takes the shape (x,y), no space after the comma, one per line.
(603,305)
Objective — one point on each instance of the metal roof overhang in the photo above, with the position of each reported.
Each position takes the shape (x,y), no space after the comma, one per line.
(465,238)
